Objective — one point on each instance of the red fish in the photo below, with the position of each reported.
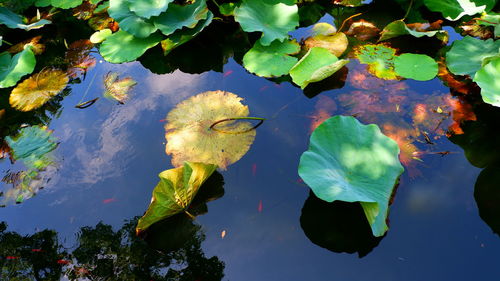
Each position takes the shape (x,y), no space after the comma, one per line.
(63,261)
(227,73)
(254,169)
(11,257)
(109,200)
(260,207)
(36,250)
(263,88)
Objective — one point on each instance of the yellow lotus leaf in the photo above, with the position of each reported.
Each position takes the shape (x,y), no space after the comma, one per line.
(35,91)
(336,43)
(190,138)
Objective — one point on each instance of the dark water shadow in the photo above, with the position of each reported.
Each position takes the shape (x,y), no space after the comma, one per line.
(487,195)
(337,226)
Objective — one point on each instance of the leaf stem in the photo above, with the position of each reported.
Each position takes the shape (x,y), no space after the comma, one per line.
(261,120)
(343,23)
(408,10)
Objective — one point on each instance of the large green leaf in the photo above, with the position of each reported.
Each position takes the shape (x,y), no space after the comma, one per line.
(148,8)
(182,36)
(465,56)
(179,16)
(129,21)
(275,21)
(13,20)
(455,9)
(273,60)
(31,144)
(417,67)
(380,60)
(123,47)
(488,79)
(315,66)
(352,162)
(399,28)
(13,69)
(63,4)
(175,192)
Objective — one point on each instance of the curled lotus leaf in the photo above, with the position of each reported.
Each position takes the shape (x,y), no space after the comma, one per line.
(488,79)
(175,192)
(274,20)
(12,69)
(271,61)
(38,89)
(13,20)
(190,138)
(179,16)
(380,60)
(352,162)
(148,8)
(129,21)
(399,28)
(183,35)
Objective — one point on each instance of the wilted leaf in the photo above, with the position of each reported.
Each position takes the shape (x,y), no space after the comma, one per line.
(13,20)
(188,133)
(36,47)
(273,60)
(380,60)
(315,66)
(488,79)
(399,27)
(12,69)
(179,16)
(123,47)
(352,162)
(415,66)
(79,57)
(38,89)
(363,30)
(175,192)
(275,21)
(336,43)
(116,88)
(466,55)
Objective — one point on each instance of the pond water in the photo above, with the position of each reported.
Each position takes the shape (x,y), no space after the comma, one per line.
(267,226)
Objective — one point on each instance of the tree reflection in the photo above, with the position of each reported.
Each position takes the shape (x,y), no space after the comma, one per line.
(337,226)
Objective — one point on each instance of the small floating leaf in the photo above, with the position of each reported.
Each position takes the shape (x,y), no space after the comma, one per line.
(175,192)
(466,55)
(116,88)
(35,91)
(380,60)
(188,133)
(352,162)
(417,67)
(487,78)
(315,66)
(274,20)
(336,43)
(273,60)
(12,69)
(123,47)
(100,35)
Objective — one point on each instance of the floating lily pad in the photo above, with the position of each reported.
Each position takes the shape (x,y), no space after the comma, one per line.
(352,162)
(12,69)
(116,88)
(179,16)
(188,133)
(13,20)
(100,35)
(380,60)
(123,47)
(399,28)
(175,192)
(323,28)
(465,56)
(336,43)
(32,143)
(315,66)
(148,8)
(417,67)
(38,89)
(275,21)
(455,9)
(488,79)
(273,60)
(129,21)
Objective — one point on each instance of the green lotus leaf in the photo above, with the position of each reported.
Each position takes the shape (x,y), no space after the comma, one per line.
(399,28)
(417,67)
(316,65)
(175,192)
(380,60)
(13,20)
(487,78)
(123,47)
(455,9)
(323,28)
(227,9)
(352,3)
(466,55)
(12,69)
(179,16)
(31,144)
(273,60)
(148,8)
(63,4)
(100,35)
(352,162)
(275,21)
(129,21)
(182,36)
